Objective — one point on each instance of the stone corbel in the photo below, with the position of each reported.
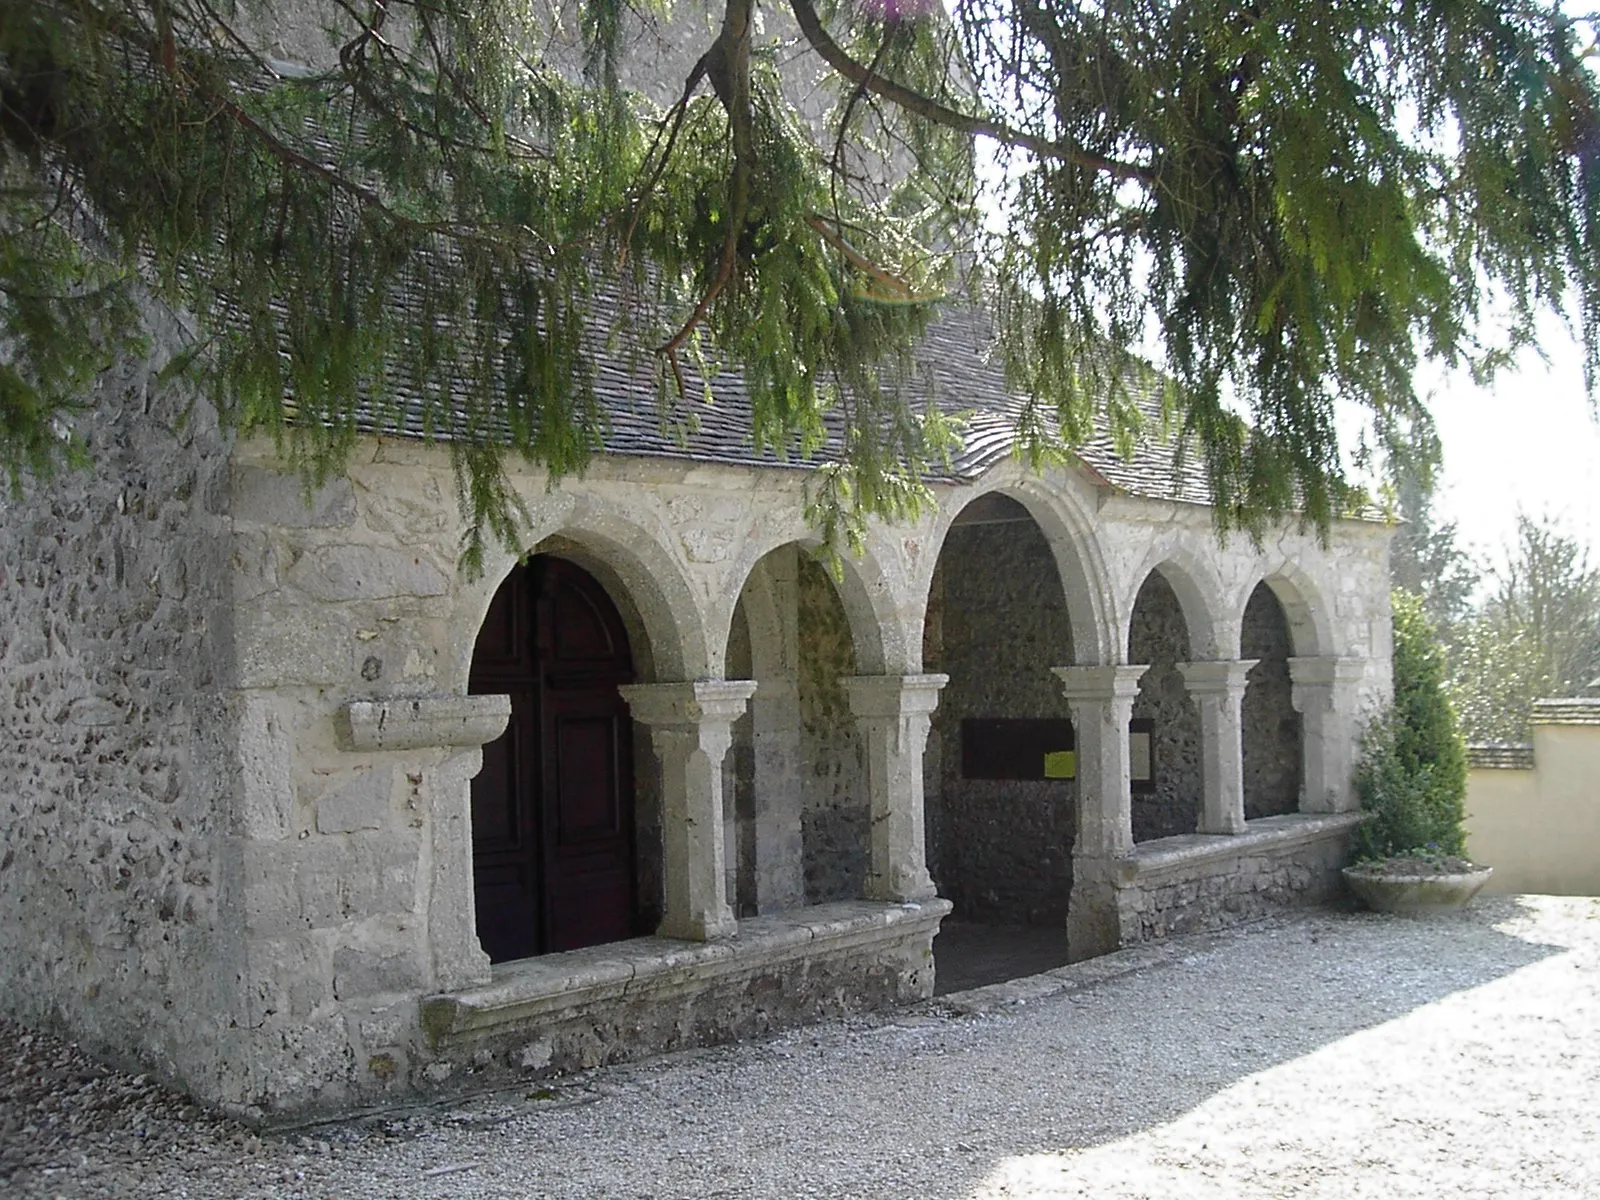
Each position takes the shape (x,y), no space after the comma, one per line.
(461,725)
(421,723)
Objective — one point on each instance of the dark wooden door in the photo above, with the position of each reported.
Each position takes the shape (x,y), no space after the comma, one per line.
(552,809)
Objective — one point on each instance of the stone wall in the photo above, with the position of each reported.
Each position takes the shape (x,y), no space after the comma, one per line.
(116,734)
(1285,862)
(1271,726)
(836,806)
(266,929)
(610,1004)
(1000,850)
(739,781)
(1158,635)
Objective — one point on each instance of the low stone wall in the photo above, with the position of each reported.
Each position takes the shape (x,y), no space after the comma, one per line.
(567,1012)
(1210,881)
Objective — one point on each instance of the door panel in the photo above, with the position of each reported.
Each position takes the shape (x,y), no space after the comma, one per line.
(586,781)
(552,809)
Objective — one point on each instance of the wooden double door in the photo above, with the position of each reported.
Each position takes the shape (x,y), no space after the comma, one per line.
(552,809)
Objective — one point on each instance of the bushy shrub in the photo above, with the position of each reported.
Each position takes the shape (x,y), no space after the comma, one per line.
(1412,775)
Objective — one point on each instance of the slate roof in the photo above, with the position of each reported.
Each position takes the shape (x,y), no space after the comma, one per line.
(1575,710)
(1500,756)
(953,367)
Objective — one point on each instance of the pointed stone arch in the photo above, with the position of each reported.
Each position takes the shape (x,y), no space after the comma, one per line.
(1305,608)
(1200,595)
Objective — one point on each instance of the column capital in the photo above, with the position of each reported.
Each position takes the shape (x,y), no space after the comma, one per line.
(893,695)
(1100,683)
(664,705)
(1326,671)
(1222,677)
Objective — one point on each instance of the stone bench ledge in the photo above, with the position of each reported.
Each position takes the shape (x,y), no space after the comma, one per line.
(532,989)
(1176,856)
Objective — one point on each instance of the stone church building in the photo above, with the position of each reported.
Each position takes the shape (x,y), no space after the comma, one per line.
(297,816)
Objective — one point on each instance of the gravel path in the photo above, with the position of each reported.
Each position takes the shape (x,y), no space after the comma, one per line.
(1330,1055)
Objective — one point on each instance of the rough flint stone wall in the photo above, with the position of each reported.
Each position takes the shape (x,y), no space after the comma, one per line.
(1271,726)
(1221,893)
(115,734)
(1000,850)
(836,817)
(1159,636)
(739,780)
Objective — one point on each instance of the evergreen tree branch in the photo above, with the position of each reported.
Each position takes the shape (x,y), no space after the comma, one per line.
(674,119)
(817,35)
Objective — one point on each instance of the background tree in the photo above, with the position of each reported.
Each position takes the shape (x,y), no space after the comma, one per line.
(447,216)
(1425,559)
(1536,634)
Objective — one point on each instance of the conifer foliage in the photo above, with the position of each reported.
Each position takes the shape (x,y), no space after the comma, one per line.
(1412,777)
(444,220)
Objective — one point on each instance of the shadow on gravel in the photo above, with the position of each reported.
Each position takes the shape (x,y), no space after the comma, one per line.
(1140,1049)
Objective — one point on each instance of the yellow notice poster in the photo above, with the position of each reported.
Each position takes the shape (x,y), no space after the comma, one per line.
(1061,764)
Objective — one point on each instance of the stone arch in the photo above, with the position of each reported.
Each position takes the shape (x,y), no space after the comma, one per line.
(1167,802)
(863,588)
(638,571)
(1270,728)
(1310,621)
(1200,595)
(796,802)
(1070,531)
(1001,819)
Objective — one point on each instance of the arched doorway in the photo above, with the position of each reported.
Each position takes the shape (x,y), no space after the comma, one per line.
(999,799)
(552,809)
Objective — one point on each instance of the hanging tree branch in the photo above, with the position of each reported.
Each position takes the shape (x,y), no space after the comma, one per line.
(915,102)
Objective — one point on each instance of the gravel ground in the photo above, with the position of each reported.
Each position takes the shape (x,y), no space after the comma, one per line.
(1329,1054)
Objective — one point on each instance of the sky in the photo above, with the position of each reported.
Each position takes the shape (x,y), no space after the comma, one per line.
(1529,440)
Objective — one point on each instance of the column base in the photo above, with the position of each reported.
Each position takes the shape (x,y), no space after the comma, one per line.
(901,888)
(1094,914)
(698,929)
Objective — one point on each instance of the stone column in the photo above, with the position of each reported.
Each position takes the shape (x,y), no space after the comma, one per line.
(892,713)
(1218,688)
(1324,694)
(691,727)
(459,959)
(1101,702)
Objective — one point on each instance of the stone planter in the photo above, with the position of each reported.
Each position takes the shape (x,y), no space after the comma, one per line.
(1416,894)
